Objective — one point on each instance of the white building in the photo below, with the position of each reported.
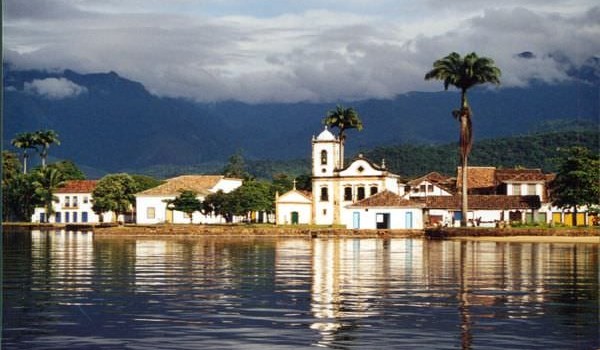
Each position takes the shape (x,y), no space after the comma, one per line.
(334,185)
(74,205)
(384,210)
(151,204)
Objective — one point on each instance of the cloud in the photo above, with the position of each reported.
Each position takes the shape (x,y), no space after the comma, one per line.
(54,89)
(313,50)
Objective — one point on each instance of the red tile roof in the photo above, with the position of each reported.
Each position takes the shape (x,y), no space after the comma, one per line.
(78,186)
(506,175)
(483,202)
(477,177)
(433,177)
(386,199)
(201,184)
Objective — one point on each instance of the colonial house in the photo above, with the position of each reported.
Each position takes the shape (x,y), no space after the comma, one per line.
(74,205)
(432,184)
(151,204)
(334,185)
(483,210)
(384,210)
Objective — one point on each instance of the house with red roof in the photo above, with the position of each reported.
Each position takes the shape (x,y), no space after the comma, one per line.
(74,205)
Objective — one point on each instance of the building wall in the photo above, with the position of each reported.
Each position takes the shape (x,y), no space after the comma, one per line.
(368,217)
(73,210)
(284,213)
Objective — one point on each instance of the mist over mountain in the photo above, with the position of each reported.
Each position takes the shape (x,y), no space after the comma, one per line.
(108,123)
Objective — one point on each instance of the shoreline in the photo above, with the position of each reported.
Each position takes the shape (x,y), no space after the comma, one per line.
(533,235)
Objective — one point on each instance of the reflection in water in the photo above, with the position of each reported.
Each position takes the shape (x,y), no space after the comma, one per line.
(74,290)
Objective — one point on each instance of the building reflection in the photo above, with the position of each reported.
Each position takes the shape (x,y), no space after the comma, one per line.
(354,279)
(63,257)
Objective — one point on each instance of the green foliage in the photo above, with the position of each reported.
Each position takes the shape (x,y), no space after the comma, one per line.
(68,169)
(252,196)
(186,202)
(236,168)
(116,193)
(577,182)
(18,192)
(217,204)
(144,182)
(46,182)
(343,119)
(25,141)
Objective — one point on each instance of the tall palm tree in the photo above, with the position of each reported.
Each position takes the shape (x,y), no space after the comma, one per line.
(464,73)
(343,119)
(25,141)
(48,180)
(45,138)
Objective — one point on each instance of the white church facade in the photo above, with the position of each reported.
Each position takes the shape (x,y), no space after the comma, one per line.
(337,189)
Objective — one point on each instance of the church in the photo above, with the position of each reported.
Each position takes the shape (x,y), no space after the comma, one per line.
(359,195)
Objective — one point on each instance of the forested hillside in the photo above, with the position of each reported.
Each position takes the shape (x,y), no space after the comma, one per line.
(540,150)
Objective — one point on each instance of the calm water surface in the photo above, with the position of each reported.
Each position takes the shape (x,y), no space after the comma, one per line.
(65,290)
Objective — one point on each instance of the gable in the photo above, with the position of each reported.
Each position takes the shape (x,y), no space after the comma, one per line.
(294,196)
(361,167)
(201,184)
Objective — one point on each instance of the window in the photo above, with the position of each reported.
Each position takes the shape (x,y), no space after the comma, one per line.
(430,188)
(85,199)
(373,190)
(323,157)
(348,193)
(67,201)
(324,212)
(516,189)
(75,201)
(415,190)
(530,189)
(360,193)
(150,213)
(423,188)
(324,194)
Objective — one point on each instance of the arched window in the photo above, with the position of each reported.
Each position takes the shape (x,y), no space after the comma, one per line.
(360,193)
(324,194)
(323,157)
(373,190)
(348,193)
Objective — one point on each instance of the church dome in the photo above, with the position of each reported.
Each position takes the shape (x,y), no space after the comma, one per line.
(326,135)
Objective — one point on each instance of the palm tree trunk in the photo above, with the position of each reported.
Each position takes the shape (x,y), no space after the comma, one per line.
(464,202)
(25,156)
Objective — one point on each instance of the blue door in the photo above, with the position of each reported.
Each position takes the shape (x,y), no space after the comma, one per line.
(74,216)
(408,220)
(84,216)
(57,218)
(42,217)
(66,216)
(356,220)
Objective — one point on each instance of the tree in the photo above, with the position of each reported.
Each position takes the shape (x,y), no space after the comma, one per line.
(144,182)
(25,141)
(236,167)
(218,204)
(577,181)
(116,193)
(18,193)
(343,119)
(68,169)
(46,182)
(186,202)
(464,73)
(45,138)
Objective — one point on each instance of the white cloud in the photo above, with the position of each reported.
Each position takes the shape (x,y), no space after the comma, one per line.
(317,50)
(53,88)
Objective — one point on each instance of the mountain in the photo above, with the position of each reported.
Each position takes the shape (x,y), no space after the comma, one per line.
(108,123)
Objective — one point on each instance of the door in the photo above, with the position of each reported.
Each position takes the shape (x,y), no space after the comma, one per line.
(356,220)
(294,218)
(383,220)
(408,219)
(556,217)
(57,217)
(75,216)
(84,216)
(169,216)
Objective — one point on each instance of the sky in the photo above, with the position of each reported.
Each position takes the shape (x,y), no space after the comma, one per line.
(293,50)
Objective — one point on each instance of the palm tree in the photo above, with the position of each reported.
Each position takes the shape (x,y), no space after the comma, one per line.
(343,119)
(25,141)
(48,180)
(464,73)
(45,138)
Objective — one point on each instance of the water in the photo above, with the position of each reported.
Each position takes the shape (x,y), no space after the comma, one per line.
(76,291)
